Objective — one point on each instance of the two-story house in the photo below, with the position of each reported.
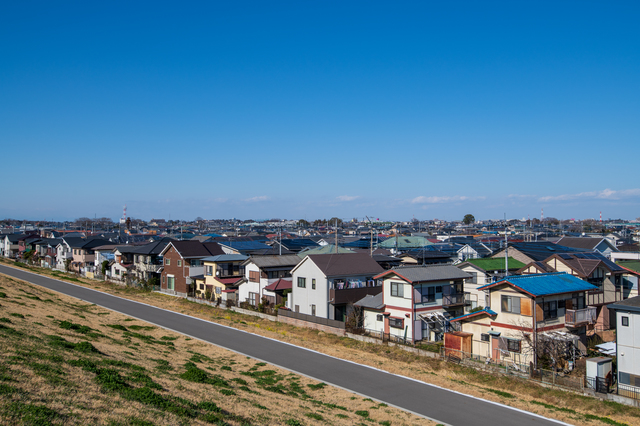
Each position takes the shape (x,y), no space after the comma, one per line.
(263,271)
(148,261)
(482,272)
(628,345)
(182,262)
(420,300)
(594,268)
(524,310)
(324,285)
(221,273)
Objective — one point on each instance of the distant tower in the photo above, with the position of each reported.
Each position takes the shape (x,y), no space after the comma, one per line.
(542,215)
(124,215)
(600,217)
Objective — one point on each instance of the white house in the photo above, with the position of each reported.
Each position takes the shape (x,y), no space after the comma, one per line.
(325,284)
(628,345)
(262,271)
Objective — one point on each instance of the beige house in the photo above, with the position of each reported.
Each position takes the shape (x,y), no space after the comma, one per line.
(523,310)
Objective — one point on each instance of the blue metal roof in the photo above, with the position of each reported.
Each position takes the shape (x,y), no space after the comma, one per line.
(545,284)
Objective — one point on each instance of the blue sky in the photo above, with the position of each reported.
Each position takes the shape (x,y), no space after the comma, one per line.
(319,109)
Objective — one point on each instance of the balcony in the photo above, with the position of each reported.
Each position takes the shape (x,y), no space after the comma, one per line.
(351,295)
(455,299)
(580,317)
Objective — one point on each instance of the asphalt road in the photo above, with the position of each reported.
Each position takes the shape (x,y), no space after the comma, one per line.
(441,405)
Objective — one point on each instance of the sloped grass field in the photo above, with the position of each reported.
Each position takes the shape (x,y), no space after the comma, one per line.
(552,403)
(66,362)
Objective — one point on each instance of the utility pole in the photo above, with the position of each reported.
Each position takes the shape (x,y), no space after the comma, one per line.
(506,248)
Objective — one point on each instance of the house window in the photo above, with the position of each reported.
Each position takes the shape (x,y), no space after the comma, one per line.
(171,283)
(513,345)
(551,310)
(484,337)
(474,278)
(510,304)
(218,290)
(201,286)
(302,282)
(429,294)
(179,262)
(167,261)
(313,310)
(625,321)
(313,283)
(209,270)
(253,297)
(163,279)
(396,322)
(561,304)
(254,276)
(379,317)
(397,289)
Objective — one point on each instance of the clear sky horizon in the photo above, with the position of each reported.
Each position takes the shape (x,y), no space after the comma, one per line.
(319,109)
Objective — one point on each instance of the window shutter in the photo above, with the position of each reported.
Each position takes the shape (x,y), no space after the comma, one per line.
(539,312)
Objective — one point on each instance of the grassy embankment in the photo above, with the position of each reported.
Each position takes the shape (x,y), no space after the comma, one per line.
(565,406)
(70,362)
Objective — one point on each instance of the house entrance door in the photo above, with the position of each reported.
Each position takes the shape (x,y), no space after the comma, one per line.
(495,348)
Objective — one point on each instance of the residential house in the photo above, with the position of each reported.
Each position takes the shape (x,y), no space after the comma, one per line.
(183,261)
(534,251)
(83,254)
(473,250)
(148,260)
(482,272)
(221,272)
(325,284)
(10,245)
(596,269)
(525,311)
(599,244)
(263,271)
(419,300)
(628,345)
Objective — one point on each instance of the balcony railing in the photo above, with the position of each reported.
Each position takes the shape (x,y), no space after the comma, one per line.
(453,299)
(580,317)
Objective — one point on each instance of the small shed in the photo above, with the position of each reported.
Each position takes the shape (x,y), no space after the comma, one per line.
(457,343)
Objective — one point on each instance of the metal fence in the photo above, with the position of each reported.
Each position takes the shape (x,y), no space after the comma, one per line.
(507,366)
(628,391)
(311,318)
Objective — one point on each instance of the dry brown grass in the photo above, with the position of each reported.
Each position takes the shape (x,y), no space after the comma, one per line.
(523,394)
(34,372)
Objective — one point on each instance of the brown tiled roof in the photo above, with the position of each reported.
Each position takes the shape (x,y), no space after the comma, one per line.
(346,264)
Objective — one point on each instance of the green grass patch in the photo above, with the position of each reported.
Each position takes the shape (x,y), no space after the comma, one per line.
(362,413)
(5,320)
(31,414)
(13,314)
(78,328)
(317,386)
(314,416)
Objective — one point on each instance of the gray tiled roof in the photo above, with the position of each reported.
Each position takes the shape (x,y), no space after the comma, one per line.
(369,301)
(275,261)
(333,265)
(415,274)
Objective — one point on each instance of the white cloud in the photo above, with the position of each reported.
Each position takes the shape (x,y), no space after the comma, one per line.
(348,197)
(520,196)
(606,194)
(255,199)
(440,200)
